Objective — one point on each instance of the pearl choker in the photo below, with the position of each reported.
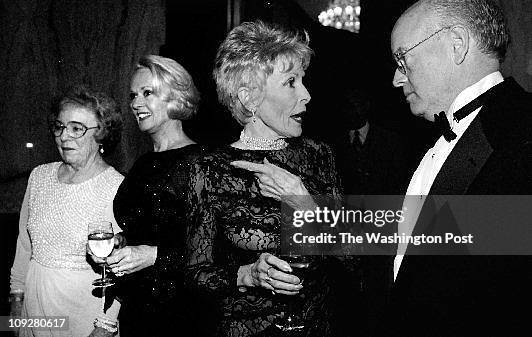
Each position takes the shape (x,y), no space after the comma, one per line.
(262,143)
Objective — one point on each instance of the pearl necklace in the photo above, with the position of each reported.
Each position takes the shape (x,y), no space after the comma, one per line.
(262,143)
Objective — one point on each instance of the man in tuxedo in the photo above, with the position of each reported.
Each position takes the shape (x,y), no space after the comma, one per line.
(448,54)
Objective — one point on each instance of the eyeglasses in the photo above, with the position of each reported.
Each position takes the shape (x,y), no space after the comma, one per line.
(73,129)
(399,56)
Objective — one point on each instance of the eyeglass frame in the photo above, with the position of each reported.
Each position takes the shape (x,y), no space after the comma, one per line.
(399,56)
(65,127)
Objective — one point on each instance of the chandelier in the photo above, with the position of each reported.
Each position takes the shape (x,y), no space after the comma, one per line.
(342,14)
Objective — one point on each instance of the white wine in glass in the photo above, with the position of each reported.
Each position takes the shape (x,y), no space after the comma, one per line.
(292,323)
(101,243)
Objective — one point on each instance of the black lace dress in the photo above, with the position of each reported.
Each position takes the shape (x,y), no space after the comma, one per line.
(231,224)
(149,207)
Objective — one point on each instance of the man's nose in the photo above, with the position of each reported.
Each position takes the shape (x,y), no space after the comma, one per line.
(399,78)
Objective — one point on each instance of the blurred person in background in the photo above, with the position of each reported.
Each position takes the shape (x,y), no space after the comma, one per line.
(371,159)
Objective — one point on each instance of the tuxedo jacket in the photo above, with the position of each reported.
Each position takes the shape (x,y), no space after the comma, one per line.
(468,295)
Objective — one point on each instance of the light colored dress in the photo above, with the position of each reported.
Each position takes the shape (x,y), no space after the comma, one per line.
(50,263)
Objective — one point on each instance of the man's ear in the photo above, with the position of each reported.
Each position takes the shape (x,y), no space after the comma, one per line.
(460,43)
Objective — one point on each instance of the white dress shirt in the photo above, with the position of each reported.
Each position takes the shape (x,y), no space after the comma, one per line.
(432,162)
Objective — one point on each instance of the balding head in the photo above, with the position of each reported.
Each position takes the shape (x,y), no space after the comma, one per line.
(441,49)
(483,18)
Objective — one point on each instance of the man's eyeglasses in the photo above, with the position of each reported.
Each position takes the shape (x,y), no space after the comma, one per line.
(399,56)
(73,129)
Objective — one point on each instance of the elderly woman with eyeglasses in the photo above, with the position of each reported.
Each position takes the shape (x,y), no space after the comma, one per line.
(50,275)
(235,215)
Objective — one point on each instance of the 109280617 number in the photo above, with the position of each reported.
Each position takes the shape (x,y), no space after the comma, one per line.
(56,323)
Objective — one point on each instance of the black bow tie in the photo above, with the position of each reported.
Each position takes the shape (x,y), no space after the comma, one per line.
(442,124)
(443,127)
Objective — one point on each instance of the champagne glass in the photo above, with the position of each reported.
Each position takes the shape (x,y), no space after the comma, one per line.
(290,323)
(101,243)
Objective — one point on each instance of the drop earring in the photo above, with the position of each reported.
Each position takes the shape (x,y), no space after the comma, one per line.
(253,118)
(101,150)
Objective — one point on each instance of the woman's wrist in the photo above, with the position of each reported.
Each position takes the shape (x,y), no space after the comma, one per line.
(309,203)
(16,295)
(106,324)
(244,276)
(120,240)
(101,332)
(153,254)
(302,190)
(301,202)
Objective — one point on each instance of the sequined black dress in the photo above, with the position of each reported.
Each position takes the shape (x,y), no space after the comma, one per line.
(231,224)
(149,208)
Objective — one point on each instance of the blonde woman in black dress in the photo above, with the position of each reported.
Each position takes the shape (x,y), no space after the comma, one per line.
(149,203)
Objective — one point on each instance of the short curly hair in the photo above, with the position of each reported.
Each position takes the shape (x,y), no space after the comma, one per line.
(173,84)
(249,54)
(105,109)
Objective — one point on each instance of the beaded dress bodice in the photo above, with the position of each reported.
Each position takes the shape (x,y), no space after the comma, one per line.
(149,208)
(60,214)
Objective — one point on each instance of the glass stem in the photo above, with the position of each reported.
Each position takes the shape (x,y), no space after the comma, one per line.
(103,273)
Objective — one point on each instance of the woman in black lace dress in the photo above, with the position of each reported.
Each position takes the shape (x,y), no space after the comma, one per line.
(150,202)
(233,239)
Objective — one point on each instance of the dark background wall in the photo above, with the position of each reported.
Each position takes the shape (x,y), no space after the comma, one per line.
(45,47)
(48,45)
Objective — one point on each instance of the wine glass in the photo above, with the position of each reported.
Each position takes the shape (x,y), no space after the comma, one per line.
(101,243)
(290,323)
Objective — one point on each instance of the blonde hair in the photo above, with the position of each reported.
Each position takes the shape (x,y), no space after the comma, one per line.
(173,84)
(249,54)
